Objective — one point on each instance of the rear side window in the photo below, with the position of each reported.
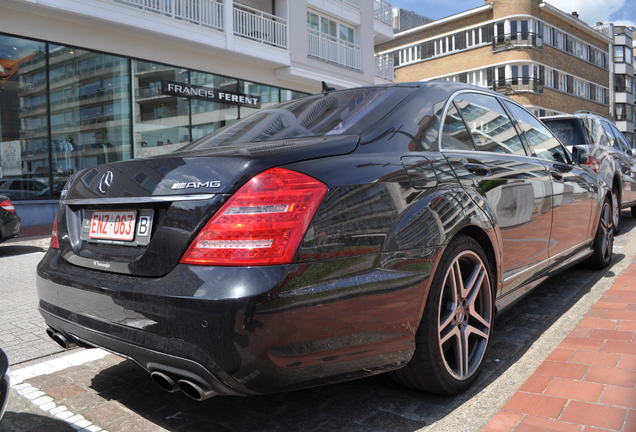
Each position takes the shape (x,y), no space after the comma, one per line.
(610,135)
(489,125)
(541,141)
(569,131)
(621,142)
(455,135)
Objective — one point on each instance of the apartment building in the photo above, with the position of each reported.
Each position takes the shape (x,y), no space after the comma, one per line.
(84,82)
(542,57)
(623,100)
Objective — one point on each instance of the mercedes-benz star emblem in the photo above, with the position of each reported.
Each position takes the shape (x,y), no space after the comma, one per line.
(105,181)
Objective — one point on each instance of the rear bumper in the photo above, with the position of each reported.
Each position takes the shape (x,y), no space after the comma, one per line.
(9,227)
(242,330)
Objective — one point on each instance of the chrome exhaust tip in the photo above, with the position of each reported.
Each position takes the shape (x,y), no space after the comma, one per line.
(59,338)
(195,391)
(164,381)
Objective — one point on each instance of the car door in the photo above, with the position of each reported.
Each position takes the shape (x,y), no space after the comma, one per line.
(622,152)
(483,147)
(574,188)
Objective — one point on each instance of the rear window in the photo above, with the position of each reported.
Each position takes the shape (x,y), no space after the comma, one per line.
(569,131)
(347,112)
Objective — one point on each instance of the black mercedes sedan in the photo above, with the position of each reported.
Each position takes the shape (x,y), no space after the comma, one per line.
(9,220)
(323,239)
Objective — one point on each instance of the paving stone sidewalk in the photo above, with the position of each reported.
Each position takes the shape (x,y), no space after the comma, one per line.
(22,330)
(588,383)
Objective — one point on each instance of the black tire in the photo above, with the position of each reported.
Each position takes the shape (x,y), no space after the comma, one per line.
(633,209)
(603,240)
(616,210)
(428,370)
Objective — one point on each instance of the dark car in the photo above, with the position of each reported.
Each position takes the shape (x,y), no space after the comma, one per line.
(610,155)
(9,220)
(324,239)
(4,383)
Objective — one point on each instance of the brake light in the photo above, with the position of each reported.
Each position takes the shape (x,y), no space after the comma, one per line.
(593,163)
(261,224)
(55,243)
(7,205)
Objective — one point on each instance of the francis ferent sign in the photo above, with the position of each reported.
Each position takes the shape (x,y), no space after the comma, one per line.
(175,88)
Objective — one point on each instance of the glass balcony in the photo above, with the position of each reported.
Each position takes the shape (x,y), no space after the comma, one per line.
(518,85)
(517,40)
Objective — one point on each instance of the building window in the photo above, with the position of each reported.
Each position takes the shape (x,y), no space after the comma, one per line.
(329,28)
(622,54)
(24,150)
(623,83)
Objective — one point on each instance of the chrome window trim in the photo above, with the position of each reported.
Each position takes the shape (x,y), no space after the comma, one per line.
(137,200)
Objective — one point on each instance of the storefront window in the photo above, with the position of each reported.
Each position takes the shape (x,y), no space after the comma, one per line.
(24,154)
(209,116)
(90,110)
(161,122)
(269,95)
(77,114)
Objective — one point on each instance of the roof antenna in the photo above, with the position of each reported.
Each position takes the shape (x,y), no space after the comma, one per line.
(326,89)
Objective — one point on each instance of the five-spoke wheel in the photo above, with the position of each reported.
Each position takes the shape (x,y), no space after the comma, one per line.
(465,311)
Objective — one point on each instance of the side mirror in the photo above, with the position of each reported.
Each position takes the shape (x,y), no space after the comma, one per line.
(632,152)
(580,155)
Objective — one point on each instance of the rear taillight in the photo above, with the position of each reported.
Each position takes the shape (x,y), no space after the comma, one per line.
(7,205)
(261,224)
(55,243)
(593,164)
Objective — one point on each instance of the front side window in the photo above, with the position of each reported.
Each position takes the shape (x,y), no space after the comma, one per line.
(492,130)
(541,141)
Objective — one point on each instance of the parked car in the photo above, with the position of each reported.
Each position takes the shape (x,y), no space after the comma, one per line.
(23,189)
(323,239)
(4,383)
(9,220)
(610,155)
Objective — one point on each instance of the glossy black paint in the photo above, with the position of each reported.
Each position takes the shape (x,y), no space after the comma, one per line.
(4,383)
(9,223)
(350,303)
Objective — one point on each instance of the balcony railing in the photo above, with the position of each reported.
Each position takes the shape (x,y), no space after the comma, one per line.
(382,11)
(521,84)
(333,50)
(384,66)
(208,13)
(354,3)
(516,40)
(260,26)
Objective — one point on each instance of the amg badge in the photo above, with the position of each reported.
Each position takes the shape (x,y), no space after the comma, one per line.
(197,185)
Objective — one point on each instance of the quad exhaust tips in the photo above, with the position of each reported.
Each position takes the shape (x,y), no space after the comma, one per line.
(61,339)
(173,384)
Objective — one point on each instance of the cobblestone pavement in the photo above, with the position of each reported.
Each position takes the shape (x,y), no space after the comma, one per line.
(22,330)
(117,395)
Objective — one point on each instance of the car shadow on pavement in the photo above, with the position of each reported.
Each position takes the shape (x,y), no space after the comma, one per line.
(23,421)
(14,250)
(374,403)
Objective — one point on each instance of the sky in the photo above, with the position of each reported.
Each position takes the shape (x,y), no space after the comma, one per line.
(622,12)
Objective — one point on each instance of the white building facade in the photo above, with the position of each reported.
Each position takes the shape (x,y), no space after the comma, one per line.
(83,82)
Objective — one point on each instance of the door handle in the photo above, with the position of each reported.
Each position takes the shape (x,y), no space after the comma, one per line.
(558,175)
(477,169)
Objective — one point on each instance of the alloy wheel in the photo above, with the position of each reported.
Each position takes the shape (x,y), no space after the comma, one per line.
(465,315)
(616,213)
(607,231)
